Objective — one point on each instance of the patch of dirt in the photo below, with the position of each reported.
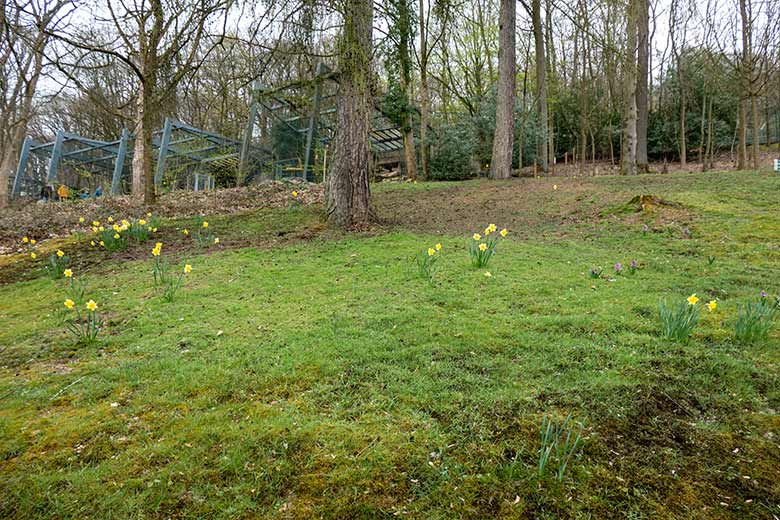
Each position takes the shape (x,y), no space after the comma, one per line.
(46,220)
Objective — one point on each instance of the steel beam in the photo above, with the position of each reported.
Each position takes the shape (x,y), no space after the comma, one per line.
(119,164)
(22,166)
(54,160)
(164,142)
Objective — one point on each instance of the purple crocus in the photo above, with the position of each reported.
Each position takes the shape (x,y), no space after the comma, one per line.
(634,264)
(618,267)
(764,294)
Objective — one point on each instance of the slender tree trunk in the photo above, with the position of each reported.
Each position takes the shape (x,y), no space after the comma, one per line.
(425,98)
(143,175)
(756,133)
(683,102)
(348,193)
(745,79)
(741,136)
(541,86)
(628,155)
(404,22)
(708,153)
(503,139)
(641,85)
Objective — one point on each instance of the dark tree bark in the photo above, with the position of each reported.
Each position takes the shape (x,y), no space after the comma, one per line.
(541,86)
(643,23)
(628,155)
(404,29)
(503,139)
(348,194)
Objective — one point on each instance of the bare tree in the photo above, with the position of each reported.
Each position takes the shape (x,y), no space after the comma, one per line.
(628,155)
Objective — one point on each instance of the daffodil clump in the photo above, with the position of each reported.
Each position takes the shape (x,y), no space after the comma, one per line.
(166,281)
(141,229)
(483,246)
(426,261)
(80,317)
(112,236)
(57,264)
(679,320)
(29,245)
(203,233)
(755,319)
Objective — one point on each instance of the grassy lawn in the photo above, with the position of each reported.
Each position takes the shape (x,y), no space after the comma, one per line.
(320,376)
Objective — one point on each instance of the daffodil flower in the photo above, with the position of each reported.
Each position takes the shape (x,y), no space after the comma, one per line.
(205,224)
(60,253)
(33,256)
(693,299)
(68,273)
(25,240)
(69,303)
(712,305)
(216,240)
(477,236)
(431,251)
(187,268)
(504,232)
(438,247)
(32,241)
(92,306)
(186,232)
(483,246)
(81,220)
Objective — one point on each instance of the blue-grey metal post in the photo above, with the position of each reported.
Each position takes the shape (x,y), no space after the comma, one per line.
(313,119)
(22,166)
(197,178)
(120,162)
(246,139)
(54,160)
(165,140)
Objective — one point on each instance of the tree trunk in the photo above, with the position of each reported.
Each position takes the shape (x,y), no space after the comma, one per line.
(410,156)
(425,97)
(745,79)
(708,152)
(143,175)
(503,139)
(348,193)
(683,148)
(541,86)
(755,130)
(628,149)
(641,85)
(741,136)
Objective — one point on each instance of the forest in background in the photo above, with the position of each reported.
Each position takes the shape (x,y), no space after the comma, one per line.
(472,84)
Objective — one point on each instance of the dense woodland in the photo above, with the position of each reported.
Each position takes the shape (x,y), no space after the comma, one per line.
(478,87)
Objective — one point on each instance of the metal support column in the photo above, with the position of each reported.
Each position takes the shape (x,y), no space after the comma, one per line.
(22,166)
(243,164)
(313,120)
(165,140)
(197,178)
(54,160)
(119,164)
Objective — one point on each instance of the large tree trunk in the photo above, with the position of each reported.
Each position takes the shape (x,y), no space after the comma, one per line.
(746,73)
(641,85)
(504,137)
(348,194)
(628,155)
(541,86)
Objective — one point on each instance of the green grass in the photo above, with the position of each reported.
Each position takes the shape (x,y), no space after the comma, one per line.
(325,378)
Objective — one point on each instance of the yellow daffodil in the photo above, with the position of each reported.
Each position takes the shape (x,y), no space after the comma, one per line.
(483,246)
(158,245)
(712,305)
(33,256)
(125,222)
(110,219)
(477,236)
(186,232)
(25,240)
(149,228)
(60,253)
(95,223)
(32,241)
(142,222)
(555,186)
(504,232)
(92,242)
(115,227)
(155,252)
(149,214)
(94,229)
(216,240)
(123,228)
(69,303)
(487,231)
(295,194)
(154,230)
(431,251)
(92,306)
(492,228)
(187,269)
(81,220)
(102,243)
(438,247)
(693,299)
(205,224)
(101,228)
(116,236)
(487,274)
(68,273)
